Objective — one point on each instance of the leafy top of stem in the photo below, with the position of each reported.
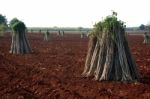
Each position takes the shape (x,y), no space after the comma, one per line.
(110,24)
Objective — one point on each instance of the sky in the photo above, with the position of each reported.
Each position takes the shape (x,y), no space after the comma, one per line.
(75,13)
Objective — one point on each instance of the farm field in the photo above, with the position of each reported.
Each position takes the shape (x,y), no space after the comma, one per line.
(53,71)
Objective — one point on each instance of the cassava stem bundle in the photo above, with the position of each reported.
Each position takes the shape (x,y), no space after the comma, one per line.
(109,56)
(19,43)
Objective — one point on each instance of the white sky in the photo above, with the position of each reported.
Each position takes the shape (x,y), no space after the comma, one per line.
(74,13)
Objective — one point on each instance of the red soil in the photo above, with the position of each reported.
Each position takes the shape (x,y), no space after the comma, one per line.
(53,71)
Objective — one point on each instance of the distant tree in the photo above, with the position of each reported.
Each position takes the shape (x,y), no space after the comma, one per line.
(19,43)
(3,24)
(142,27)
(3,19)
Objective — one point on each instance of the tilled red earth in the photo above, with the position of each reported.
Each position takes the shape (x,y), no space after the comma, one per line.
(53,71)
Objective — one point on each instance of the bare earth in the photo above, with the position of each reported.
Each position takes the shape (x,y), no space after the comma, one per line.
(53,71)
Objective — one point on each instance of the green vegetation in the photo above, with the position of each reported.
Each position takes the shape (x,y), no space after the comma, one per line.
(3,19)
(19,27)
(142,27)
(3,24)
(13,21)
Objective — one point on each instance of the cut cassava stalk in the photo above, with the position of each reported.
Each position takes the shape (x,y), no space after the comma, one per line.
(46,35)
(82,35)
(91,47)
(19,43)
(109,56)
(146,38)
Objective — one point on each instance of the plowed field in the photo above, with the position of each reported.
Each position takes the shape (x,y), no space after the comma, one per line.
(53,71)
